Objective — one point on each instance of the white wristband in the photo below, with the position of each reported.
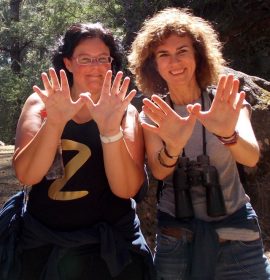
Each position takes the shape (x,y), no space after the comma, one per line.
(111,139)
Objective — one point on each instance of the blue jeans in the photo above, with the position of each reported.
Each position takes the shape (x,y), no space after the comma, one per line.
(237,260)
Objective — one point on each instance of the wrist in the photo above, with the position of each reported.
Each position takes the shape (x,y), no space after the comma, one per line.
(109,131)
(54,125)
(112,138)
(171,151)
(230,140)
(167,160)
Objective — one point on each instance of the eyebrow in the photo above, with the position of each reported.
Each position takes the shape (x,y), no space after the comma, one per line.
(100,54)
(179,48)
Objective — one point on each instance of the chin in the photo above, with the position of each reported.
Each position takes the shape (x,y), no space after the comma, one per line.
(95,94)
(94,88)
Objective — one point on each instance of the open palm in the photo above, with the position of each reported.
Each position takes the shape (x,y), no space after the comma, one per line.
(112,104)
(56,96)
(170,127)
(223,114)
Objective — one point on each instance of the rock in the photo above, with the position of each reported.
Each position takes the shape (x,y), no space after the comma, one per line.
(257,89)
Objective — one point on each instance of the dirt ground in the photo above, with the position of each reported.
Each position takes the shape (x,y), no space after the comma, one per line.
(9,185)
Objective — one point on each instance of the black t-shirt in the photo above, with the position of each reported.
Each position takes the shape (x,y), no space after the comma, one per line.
(82,197)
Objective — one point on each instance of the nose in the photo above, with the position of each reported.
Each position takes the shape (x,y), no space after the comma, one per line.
(174,58)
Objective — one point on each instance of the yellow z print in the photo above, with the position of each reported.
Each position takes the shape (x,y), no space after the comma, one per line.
(55,190)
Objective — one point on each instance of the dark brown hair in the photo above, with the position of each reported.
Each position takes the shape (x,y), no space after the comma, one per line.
(81,31)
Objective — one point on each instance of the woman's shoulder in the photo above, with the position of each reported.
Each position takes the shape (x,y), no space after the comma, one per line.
(131,108)
(132,111)
(34,100)
(33,108)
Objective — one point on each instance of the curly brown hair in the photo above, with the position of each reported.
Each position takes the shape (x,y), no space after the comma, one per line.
(182,22)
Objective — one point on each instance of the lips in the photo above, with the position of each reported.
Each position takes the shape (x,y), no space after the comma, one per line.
(177,72)
(94,77)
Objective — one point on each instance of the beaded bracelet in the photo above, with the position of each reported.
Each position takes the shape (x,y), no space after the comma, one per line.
(229,140)
(167,154)
(162,162)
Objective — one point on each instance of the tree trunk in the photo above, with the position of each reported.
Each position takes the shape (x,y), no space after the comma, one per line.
(15,49)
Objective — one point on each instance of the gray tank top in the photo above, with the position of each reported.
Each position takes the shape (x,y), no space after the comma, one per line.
(220,157)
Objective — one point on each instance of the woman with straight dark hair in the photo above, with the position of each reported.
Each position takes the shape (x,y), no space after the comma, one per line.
(79,146)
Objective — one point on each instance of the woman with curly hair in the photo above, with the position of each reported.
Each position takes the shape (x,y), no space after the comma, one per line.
(195,134)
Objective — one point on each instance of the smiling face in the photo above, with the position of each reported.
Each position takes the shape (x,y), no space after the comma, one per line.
(175,60)
(88,77)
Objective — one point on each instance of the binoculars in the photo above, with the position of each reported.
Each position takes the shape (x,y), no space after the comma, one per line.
(191,174)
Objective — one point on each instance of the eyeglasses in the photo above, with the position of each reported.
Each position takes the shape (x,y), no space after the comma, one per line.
(87,60)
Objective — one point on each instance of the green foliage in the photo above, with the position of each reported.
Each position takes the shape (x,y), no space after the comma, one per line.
(11,90)
(26,40)
(40,24)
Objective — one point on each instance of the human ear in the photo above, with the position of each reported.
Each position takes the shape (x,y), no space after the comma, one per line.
(68,65)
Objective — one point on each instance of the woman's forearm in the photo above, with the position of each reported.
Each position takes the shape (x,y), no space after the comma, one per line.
(32,162)
(125,176)
(245,152)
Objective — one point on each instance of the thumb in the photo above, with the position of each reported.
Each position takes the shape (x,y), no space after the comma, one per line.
(194,109)
(129,97)
(86,99)
(40,93)
(192,119)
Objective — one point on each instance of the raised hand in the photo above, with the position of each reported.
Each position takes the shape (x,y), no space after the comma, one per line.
(56,96)
(110,108)
(170,127)
(223,114)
